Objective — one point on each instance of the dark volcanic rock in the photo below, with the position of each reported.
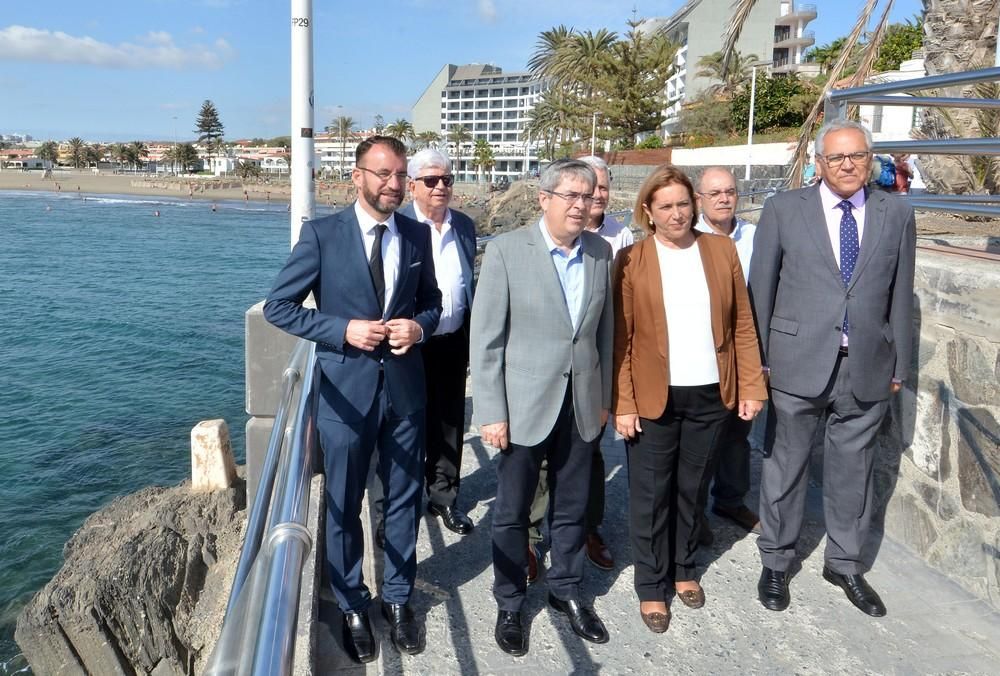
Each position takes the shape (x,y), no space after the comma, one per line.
(515,207)
(142,588)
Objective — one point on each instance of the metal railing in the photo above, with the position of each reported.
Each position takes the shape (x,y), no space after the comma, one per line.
(259,628)
(879,94)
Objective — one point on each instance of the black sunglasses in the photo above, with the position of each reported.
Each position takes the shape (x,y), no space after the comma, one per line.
(432,181)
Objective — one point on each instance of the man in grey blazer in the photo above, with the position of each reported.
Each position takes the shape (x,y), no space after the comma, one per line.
(542,339)
(832,286)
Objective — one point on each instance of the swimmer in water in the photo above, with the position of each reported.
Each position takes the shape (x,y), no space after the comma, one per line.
(214,208)
(157,213)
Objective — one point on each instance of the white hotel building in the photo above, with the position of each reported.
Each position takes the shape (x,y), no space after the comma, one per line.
(491,105)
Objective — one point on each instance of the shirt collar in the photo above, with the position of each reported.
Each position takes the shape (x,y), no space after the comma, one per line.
(368,223)
(830,199)
(703,226)
(553,247)
(426,219)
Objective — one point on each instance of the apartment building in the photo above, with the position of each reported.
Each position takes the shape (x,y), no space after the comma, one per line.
(491,105)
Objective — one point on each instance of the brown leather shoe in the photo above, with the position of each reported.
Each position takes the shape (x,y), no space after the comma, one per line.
(692,598)
(742,516)
(656,622)
(597,552)
(532,564)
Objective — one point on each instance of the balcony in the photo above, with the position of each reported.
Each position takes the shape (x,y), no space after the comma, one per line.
(807,38)
(803,13)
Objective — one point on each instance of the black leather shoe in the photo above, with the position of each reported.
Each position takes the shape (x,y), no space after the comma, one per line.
(858,592)
(510,634)
(359,641)
(380,535)
(453,518)
(404,630)
(585,622)
(772,589)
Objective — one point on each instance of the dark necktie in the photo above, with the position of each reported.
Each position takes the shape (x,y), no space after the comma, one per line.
(849,247)
(376,267)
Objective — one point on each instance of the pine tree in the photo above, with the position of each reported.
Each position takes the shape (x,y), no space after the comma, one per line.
(209,127)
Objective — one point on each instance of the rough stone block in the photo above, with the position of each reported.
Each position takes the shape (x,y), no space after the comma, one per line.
(926,414)
(212,464)
(907,521)
(979,461)
(941,503)
(959,551)
(974,367)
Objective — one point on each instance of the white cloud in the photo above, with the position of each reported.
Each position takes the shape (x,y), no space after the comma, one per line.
(487,11)
(157,50)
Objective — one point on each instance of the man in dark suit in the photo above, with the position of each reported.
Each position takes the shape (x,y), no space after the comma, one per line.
(372,274)
(446,353)
(832,284)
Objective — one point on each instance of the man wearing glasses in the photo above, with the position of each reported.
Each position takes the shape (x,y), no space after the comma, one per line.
(832,285)
(371,272)
(542,339)
(446,353)
(717,198)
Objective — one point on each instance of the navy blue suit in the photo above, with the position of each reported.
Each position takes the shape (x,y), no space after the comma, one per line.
(364,398)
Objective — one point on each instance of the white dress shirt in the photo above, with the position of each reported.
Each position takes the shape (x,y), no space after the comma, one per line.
(448,270)
(615,233)
(833,214)
(742,236)
(688,307)
(390,248)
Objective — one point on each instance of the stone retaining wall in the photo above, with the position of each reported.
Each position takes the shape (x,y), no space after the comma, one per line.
(938,471)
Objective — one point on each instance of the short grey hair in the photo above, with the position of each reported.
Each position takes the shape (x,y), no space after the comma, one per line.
(553,174)
(839,125)
(597,163)
(428,157)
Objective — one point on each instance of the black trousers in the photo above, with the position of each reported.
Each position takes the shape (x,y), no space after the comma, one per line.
(595,502)
(732,463)
(668,473)
(569,458)
(446,363)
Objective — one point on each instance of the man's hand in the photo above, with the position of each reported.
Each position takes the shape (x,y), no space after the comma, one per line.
(402,334)
(604,416)
(365,334)
(895,387)
(495,434)
(749,408)
(628,425)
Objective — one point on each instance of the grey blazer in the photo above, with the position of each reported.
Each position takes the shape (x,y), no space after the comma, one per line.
(465,237)
(799,299)
(523,346)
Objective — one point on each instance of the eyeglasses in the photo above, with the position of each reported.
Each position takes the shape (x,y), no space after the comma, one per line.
(716,194)
(385,175)
(572,197)
(837,159)
(432,181)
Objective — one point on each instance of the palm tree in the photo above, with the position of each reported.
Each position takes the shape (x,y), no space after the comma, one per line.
(401,129)
(426,139)
(76,151)
(341,126)
(93,154)
(138,151)
(458,135)
(184,155)
(48,152)
(730,80)
(482,155)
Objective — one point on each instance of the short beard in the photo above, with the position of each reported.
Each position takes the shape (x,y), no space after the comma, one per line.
(379,202)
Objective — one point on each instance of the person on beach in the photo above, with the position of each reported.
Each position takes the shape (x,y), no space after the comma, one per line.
(832,287)
(371,272)
(541,386)
(686,354)
(616,234)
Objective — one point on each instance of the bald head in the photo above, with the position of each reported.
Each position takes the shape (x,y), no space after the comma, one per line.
(717,198)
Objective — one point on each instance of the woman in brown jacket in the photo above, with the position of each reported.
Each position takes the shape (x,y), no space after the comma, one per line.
(685,354)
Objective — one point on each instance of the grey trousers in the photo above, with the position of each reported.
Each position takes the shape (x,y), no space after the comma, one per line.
(849,447)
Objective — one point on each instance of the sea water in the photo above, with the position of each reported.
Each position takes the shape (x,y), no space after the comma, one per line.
(120,329)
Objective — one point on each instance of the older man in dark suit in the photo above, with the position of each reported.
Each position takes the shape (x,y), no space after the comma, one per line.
(372,274)
(832,284)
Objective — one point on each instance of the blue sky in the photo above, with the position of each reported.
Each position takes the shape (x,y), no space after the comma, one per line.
(139,69)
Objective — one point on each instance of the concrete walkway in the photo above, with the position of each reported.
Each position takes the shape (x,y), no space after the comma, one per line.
(932,626)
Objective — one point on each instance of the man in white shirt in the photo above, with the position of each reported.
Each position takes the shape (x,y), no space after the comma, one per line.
(717,199)
(446,353)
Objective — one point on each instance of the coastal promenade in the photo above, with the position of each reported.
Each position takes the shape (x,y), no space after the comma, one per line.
(932,626)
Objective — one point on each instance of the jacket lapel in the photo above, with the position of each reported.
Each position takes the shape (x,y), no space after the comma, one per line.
(406,259)
(353,256)
(654,282)
(549,283)
(716,281)
(815,222)
(875,207)
(589,278)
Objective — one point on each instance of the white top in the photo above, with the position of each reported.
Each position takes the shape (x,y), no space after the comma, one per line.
(448,270)
(390,248)
(615,233)
(833,214)
(691,345)
(742,236)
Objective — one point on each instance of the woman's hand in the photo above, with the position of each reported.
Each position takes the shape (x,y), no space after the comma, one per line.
(749,408)
(628,425)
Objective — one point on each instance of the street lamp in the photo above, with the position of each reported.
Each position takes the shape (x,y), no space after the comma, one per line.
(593,133)
(753,93)
(175,145)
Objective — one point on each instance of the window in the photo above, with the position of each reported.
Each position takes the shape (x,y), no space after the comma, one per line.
(876,119)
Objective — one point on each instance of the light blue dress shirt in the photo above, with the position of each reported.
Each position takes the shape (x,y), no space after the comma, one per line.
(742,236)
(569,269)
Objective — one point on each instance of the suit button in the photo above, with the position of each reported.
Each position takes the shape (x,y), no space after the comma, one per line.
(575,340)
(837,328)
(566,375)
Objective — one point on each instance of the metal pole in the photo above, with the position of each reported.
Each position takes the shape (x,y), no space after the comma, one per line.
(593,132)
(527,155)
(753,93)
(303,196)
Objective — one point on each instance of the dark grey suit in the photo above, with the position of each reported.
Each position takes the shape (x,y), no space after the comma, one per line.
(800,301)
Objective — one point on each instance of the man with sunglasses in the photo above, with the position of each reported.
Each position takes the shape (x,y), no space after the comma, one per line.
(832,286)
(717,198)
(371,273)
(542,338)
(446,353)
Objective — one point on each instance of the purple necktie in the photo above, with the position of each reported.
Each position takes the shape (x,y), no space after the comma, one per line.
(849,248)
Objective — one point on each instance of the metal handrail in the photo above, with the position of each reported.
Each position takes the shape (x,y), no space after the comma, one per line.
(259,628)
